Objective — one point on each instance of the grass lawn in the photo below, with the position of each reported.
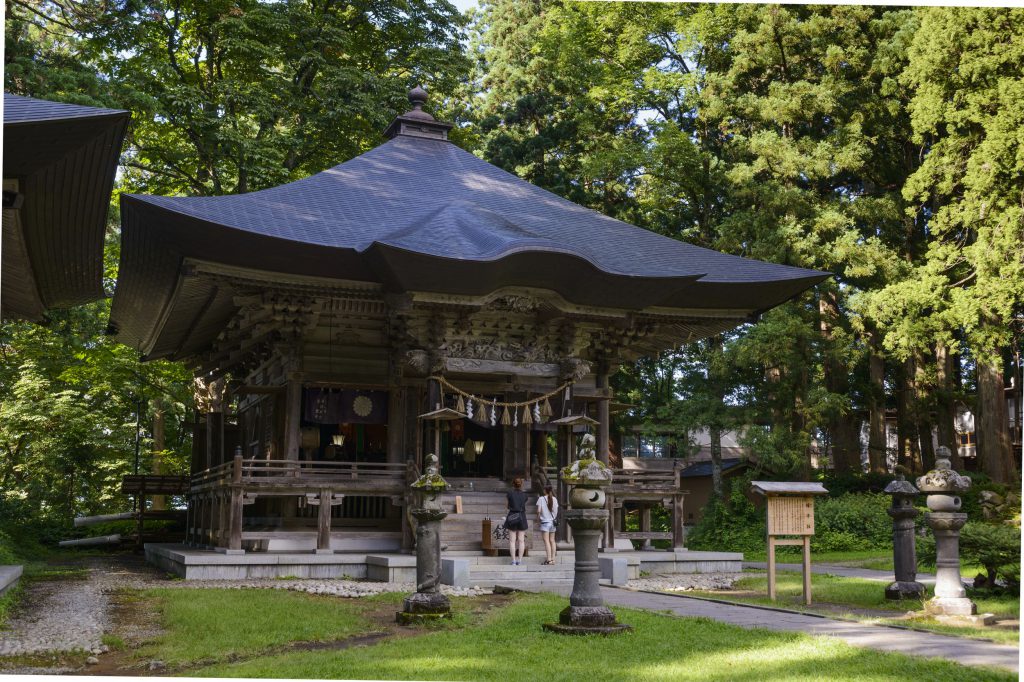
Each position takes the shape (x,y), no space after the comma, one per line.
(832,593)
(879,560)
(507,643)
(221,624)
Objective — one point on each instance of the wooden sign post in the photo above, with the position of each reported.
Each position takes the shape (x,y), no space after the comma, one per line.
(790,512)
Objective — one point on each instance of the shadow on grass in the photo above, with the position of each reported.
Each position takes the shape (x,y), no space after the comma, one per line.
(506,643)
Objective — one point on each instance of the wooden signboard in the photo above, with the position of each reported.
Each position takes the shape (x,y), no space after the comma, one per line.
(790,513)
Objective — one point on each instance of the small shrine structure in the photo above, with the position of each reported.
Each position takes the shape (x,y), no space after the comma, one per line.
(414,299)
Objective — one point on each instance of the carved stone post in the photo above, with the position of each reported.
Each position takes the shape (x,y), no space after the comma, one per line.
(427,603)
(904,555)
(586,613)
(942,485)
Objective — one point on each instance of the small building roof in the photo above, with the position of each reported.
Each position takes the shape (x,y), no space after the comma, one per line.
(418,213)
(787,488)
(59,162)
(699,469)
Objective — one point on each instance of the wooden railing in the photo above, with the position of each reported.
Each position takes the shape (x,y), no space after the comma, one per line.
(218,494)
(266,470)
(644,487)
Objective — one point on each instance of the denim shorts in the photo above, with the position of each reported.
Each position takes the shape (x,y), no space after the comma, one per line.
(547,526)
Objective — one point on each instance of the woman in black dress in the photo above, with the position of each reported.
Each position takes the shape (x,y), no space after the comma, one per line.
(515,521)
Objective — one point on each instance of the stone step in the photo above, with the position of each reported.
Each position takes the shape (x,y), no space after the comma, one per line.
(528,560)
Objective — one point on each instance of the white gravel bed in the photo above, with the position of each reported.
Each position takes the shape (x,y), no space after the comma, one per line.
(338,587)
(686,582)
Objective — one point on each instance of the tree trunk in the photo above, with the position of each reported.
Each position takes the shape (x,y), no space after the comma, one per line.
(922,399)
(909,455)
(842,427)
(717,387)
(877,445)
(995,452)
(159,445)
(945,409)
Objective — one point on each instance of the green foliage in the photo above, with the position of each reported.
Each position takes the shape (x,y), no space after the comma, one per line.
(851,522)
(730,525)
(994,546)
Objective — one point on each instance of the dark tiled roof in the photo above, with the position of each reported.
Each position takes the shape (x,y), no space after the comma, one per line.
(431,197)
(19,109)
(420,214)
(704,468)
(63,157)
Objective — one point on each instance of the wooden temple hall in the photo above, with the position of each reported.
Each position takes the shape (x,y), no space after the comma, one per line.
(412,300)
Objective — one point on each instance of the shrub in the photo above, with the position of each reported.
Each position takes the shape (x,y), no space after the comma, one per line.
(852,523)
(996,547)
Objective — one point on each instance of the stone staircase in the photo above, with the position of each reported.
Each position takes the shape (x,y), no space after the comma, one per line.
(483,571)
(462,532)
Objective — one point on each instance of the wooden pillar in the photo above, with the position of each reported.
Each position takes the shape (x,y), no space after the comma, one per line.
(771,567)
(645,523)
(323,523)
(603,414)
(223,510)
(292,417)
(807,569)
(609,528)
(208,520)
(678,532)
(237,493)
(396,425)
(564,446)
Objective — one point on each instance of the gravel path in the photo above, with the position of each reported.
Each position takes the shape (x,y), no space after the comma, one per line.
(687,582)
(57,616)
(71,614)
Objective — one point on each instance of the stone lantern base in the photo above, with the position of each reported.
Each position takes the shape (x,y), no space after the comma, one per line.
(586,620)
(586,613)
(423,607)
(950,606)
(905,589)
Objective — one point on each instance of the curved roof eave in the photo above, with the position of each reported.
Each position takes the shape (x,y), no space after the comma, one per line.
(62,159)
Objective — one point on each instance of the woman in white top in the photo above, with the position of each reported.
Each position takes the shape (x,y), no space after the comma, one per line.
(547,511)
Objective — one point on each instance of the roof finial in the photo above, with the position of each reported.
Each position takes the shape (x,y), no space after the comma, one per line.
(417,98)
(417,122)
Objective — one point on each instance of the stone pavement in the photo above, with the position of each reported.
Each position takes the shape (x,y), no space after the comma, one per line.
(912,643)
(844,571)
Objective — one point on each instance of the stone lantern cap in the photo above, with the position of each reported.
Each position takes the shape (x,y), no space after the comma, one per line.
(901,487)
(431,481)
(942,479)
(588,470)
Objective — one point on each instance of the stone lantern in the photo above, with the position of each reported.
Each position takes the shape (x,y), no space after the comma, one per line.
(427,603)
(904,554)
(942,486)
(586,613)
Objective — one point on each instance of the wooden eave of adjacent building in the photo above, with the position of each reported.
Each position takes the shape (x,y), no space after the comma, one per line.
(58,168)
